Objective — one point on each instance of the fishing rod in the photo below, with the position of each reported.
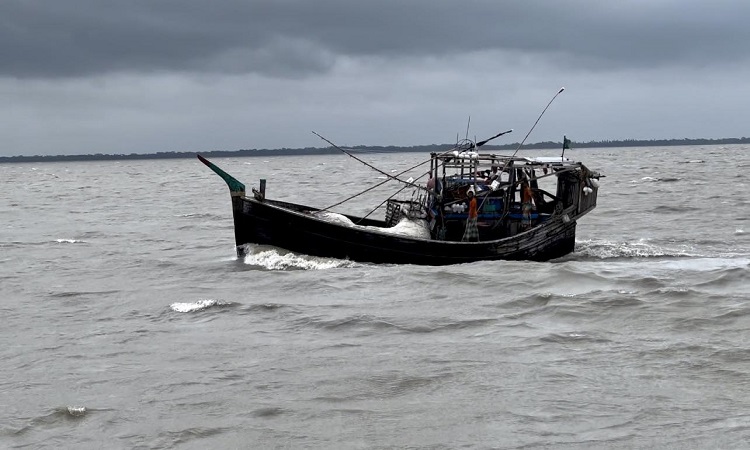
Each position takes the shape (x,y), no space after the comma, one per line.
(390,177)
(478,144)
(408,183)
(375,186)
(537,120)
(392,195)
(527,135)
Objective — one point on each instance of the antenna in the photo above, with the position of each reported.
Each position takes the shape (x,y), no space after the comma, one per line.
(537,120)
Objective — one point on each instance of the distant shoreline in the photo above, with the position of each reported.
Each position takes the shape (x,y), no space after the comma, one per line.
(370,149)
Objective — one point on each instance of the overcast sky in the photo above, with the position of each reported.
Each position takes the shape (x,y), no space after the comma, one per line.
(142,76)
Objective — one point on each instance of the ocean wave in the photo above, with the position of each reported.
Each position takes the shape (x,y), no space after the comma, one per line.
(271,411)
(572,337)
(609,250)
(656,180)
(675,352)
(52,418)
(665,209)
(598,298)
(188,436)
(70,294)
(273,260)
(381,385)
(76,411)
(728,276)
(534,300)
(199,216)
(266,307)
(370,322)
(199,305)
(22,244)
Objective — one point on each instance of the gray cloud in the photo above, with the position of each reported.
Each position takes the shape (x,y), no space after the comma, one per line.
(77,38)
(105,76)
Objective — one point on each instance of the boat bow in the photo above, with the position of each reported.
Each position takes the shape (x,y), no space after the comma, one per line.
(236,188)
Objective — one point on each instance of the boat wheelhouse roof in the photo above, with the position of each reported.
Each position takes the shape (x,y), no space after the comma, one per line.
(552,160)
(455,159)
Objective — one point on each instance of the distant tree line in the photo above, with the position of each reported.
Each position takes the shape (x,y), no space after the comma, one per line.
(372,149)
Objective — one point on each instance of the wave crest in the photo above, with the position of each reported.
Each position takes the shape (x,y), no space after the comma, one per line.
(200,305)
(656,180)
(76,411)
(610,250)
(273,260)
(69,241)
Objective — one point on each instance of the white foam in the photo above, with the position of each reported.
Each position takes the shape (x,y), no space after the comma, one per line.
(273,260)
(68,241)
(702,264)
(200,305)
(608,249)
(76,411)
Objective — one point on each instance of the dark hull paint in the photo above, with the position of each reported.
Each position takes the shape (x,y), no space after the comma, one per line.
(284,225)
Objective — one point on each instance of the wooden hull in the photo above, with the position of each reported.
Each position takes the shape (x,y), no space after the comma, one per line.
(289,226)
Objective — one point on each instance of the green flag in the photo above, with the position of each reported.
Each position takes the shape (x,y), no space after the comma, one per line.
(566,146)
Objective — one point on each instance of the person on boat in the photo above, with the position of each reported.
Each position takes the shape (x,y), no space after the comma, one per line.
(492,175)
(471,234)
(527,204)
(431,182)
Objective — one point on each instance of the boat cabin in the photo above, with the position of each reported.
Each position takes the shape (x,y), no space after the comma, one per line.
(514,194)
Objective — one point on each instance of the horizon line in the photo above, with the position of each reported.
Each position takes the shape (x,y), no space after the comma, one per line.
(286,151)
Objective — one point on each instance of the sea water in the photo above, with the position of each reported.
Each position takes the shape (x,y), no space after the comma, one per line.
(128,321)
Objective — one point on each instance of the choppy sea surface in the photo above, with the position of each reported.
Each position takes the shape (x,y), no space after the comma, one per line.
(128,321)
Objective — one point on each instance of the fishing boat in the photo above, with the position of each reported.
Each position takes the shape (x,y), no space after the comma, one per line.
(473,206)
